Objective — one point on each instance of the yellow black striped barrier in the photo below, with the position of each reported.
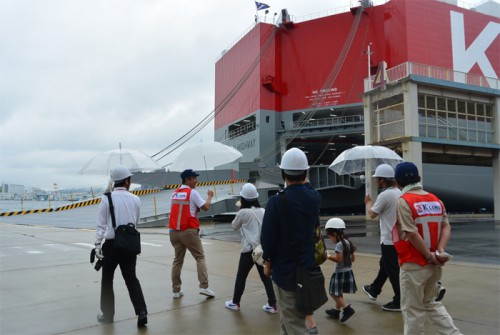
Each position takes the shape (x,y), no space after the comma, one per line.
(29,211)
(79,204)
(95,201)
(90,202)
(207,183)
(144,192)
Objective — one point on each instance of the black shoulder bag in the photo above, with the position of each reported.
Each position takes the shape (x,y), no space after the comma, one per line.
(127,238)
(310,290)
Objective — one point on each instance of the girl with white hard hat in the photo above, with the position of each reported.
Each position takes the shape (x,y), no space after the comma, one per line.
(342,280)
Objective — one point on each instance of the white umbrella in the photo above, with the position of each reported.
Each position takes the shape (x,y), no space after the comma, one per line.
(358,158)
(204,156)
(134,160)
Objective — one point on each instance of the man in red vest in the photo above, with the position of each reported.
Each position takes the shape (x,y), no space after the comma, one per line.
(420,236)
(184,226)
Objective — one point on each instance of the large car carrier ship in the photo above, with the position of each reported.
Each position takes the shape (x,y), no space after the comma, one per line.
(294,83)
(419,77)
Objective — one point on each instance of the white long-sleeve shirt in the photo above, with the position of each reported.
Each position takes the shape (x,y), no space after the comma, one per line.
(127,210)
(249,220)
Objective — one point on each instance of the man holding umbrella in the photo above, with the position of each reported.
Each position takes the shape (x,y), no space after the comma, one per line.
(184,231)
(385,207)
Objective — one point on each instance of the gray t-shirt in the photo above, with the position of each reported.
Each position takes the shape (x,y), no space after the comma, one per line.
(347,266)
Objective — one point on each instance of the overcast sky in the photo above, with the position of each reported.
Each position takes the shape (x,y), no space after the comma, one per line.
(77,77)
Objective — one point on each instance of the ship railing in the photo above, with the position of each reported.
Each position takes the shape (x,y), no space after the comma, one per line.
(321,177)
(275,19)
(330,121)
(409,68)
(242,130)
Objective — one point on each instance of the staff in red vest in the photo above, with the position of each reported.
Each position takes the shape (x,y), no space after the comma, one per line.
(184,226)
(420,236)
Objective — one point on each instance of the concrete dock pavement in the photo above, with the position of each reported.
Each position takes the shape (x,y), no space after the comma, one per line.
(48,286)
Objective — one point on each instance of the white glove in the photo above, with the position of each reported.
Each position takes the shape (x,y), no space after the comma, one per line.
(98,251)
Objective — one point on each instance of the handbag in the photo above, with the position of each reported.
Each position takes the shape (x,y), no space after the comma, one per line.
(257,254)
(310,293)
(127,237)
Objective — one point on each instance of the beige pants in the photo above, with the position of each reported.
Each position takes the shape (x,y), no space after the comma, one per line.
(188,239)
(418,290)
(292,322)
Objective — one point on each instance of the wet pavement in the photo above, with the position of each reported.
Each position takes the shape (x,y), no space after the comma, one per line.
(48,286)
(474,240)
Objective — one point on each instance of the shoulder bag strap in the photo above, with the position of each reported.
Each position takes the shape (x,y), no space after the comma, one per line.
(111,209)
(256,218)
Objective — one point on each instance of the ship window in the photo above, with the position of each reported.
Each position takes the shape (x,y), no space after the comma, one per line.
(455,119)
(441,104)
(452,106)
(431,102)
(488,111)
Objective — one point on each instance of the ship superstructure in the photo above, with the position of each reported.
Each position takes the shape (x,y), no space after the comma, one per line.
(322,84)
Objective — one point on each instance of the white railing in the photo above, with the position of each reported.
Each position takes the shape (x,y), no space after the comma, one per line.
(409,68)
(274,19)
(330,121)
(242,130)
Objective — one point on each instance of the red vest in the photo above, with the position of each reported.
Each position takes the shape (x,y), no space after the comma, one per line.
(427,212)
(180,215)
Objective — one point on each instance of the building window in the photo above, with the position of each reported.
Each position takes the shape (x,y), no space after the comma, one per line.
(389,119)
(455,119)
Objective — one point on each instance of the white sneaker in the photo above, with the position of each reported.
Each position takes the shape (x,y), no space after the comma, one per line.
(208,292)
(232,306)
(179,294)
(269,309)
(441,290)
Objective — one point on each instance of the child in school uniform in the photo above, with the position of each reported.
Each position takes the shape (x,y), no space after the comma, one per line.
(342,280)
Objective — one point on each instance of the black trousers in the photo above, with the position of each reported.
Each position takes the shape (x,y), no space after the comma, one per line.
(127,263)
(245,265)
(389,268)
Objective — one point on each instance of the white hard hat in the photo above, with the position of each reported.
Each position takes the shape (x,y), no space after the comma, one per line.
(120,173)
(248,191)
(294,159)
(335,223)
(384,171)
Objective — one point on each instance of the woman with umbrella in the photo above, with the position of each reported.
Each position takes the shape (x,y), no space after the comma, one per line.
(249,221)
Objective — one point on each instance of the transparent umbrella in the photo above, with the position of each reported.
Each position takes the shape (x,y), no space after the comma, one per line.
(361,157)
(204,156)
(135,160)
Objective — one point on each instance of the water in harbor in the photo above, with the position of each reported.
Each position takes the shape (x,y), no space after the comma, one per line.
(18,205)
